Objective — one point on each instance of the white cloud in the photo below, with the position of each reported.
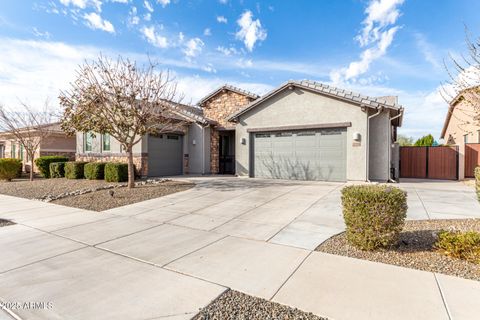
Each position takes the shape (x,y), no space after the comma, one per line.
(250,31)
(148,6)
(147,16)
(41,34)
(207,32)
(378,33)
(181,37)
(83,4)
(95,21)
(153,37)
(164,3)
(193,47)
(221,19)
(427,50)
(209,68)
(133,18)
(223,1)
(120,1)
(227,51)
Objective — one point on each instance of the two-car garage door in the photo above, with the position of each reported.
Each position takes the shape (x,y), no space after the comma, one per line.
(301,155)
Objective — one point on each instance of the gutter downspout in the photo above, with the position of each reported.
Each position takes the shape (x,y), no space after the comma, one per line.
(389,144)
(367,160)
(203,150)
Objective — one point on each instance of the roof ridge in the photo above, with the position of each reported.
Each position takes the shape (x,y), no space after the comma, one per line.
(228,87)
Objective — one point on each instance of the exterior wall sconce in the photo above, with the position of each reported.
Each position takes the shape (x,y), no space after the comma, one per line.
(244,141)
(194,142)
(357,136)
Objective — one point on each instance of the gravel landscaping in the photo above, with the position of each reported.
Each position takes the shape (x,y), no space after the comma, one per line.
(4,223)
(104,200)
(234,305)
(415,248)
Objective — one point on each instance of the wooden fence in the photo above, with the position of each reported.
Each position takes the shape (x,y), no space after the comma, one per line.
(472,158)
(429,162)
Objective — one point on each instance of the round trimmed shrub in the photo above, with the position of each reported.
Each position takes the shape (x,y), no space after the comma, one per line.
(74,170)
(95,170)
(43,164)
(116,172)
(57,169)
(374,215)
(10,168)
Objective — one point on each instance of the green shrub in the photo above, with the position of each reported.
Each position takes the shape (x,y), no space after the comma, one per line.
(477,181)
(116,172)
(461,245)
(95,170)
(10,168)
(57,169)
(43,164)
(374,215)
(74,170)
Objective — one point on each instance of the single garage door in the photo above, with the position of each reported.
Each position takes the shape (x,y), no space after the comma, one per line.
(165,155)
(301,155)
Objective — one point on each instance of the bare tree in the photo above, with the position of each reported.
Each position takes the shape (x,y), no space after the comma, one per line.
(123,99)
(29,126)
(464,81)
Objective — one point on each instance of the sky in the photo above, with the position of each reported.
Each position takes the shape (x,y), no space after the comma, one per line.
(374,47)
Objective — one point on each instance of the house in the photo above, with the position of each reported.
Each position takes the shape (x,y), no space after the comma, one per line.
(301,130)
(460,126)
(56,143)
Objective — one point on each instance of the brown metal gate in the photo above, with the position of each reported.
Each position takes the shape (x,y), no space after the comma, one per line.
(472,159)
(429,162)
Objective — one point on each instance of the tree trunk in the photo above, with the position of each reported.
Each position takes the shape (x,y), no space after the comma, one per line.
(131,173)
(31,168)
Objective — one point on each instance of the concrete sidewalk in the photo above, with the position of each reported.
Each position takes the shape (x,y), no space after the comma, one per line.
(168,257)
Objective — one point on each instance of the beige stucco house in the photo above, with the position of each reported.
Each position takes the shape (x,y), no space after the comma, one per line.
(462,127)
(57,143)
(301,130)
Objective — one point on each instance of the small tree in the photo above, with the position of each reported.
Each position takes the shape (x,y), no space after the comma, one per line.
(122,99)
(29,126)
(404,141)
(425,141)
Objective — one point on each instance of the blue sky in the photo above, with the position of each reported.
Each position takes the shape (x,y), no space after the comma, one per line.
(375,47)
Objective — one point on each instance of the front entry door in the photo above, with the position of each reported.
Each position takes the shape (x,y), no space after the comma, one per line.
(227,153)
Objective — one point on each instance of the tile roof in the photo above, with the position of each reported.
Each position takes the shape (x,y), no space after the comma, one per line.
(231,88)
(346,95)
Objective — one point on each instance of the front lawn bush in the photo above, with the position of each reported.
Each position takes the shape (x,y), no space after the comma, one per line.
(374,215)
(74,170)
(460,245)
(43,164)
(10,168)
(57,169)
(95,170)
(477,181)
(116,172)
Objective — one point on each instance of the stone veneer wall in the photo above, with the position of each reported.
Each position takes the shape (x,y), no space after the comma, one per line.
(139,160)
(219,108)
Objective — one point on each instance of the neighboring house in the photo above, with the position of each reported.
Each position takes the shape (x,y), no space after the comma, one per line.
(57,143)
(461,123)
(301,130)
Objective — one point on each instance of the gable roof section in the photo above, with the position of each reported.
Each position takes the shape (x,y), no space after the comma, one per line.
(190,113)
(459,97)
(230,88)
(329,91)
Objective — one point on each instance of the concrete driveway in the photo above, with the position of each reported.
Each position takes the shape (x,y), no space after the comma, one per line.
(168,257)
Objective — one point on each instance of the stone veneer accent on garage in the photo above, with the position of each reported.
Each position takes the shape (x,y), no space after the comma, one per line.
(219,108)
(139,160)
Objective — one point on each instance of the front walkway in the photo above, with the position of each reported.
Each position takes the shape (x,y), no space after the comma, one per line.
(168,257)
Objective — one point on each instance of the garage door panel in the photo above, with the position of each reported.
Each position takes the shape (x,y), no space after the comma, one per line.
(165,155)
(302,155)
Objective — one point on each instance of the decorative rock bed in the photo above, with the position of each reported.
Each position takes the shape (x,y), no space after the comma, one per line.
(49,197)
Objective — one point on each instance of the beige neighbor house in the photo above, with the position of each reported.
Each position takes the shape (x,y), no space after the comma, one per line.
(301,130)
(57,143)
(461,127)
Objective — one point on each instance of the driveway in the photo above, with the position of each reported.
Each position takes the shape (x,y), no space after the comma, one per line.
(168,257)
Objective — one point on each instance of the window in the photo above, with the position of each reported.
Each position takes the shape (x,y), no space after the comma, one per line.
(465,138)
(12,151)
(105,142)
(171,137)
(88,141)
(21,151)
(262,135)
(478,135)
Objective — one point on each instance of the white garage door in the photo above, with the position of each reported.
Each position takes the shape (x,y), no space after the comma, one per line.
(301,155)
